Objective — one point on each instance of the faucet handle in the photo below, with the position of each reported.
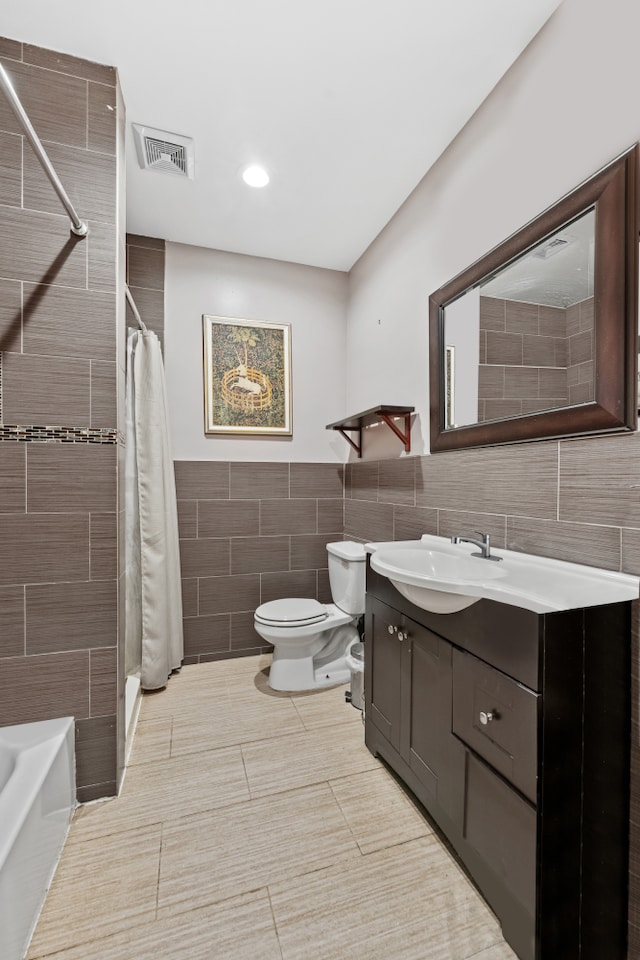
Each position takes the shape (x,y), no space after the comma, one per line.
(483,536)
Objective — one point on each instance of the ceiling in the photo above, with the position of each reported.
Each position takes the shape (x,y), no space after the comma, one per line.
(550,273)
(347,103)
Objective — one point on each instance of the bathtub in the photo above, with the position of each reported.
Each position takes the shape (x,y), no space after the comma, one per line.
(37,799)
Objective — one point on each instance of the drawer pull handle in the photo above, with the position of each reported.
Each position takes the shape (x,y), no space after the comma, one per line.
(486,718)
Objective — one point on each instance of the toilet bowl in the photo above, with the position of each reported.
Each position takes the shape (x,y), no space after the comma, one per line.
(311,640)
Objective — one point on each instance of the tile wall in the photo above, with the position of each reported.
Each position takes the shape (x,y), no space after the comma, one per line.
(577,500)
(533,357)
(249,533)
(145,277)
(58,412)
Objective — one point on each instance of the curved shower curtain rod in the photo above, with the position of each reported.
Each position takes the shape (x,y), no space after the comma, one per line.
(134,309)
(79,228)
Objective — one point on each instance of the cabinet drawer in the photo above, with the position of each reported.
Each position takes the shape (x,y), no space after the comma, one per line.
(497,718)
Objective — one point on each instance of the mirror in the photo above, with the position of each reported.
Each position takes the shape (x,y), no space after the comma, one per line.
(539,337)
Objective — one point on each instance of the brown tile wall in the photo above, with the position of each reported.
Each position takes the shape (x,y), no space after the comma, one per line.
(145,276)
(249,533)
(533,357)
(58,350)
(581,351)
(578,500)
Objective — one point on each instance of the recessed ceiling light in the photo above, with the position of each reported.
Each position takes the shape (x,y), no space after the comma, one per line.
(255,176)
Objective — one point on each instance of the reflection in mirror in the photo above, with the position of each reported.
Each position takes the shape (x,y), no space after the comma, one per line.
(539,337)
(524,338)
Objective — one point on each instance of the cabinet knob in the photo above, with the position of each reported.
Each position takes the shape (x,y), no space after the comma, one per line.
(486,718)
(392,629)
(402,635)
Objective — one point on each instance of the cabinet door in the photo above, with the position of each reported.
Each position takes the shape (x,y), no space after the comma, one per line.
(383,663)
(426,695)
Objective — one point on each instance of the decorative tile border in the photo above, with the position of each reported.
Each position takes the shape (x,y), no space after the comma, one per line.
(39,434)
(47,434)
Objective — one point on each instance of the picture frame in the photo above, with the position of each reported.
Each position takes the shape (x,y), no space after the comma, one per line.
(450,385)
(247,376)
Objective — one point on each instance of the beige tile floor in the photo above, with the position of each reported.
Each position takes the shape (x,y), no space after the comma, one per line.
(257,826)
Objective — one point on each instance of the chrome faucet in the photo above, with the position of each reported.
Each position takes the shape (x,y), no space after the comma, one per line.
(484,543)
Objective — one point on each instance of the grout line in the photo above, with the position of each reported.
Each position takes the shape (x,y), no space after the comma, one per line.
(159,869)
(246,775)
(22,137)
(275,924)
(621,564)
(26,479)
(344,817)
(305,728)
(558,484)
(86,114)
(171,739)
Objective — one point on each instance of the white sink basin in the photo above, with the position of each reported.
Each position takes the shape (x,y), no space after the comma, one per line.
(423,575)
(442,577)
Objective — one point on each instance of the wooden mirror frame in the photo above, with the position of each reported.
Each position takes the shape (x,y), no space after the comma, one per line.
(613,192)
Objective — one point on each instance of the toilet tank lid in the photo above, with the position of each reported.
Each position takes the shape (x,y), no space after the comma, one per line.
(293,611)
(347,550)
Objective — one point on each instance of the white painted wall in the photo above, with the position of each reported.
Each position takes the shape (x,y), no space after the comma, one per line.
(201,281)
(566,108)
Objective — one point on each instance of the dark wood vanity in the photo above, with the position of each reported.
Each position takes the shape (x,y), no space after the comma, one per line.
(513,730)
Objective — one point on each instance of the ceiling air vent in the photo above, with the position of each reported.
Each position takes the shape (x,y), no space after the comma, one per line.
(163,151)
(551,247)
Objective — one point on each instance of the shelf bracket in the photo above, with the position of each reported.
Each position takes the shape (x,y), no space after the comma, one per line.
(356,446)
(372,417)
(406,436)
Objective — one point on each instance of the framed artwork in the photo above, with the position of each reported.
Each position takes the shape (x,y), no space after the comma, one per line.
(247,376)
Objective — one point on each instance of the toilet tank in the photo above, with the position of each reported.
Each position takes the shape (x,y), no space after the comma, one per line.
(347,572)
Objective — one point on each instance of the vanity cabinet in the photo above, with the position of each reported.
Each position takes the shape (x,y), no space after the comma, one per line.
(512,729)
(410,702)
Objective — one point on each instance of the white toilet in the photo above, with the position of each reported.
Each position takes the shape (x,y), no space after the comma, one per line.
(311,640)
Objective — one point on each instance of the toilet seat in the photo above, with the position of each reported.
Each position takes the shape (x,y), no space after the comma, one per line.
(291,612)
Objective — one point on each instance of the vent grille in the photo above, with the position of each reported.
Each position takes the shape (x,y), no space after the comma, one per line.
(166,152)
(549,249)
(166,156)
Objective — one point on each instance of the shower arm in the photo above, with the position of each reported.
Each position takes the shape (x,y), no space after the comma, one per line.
(79,227)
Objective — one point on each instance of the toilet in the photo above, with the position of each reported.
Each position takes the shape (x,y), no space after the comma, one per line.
(311,640)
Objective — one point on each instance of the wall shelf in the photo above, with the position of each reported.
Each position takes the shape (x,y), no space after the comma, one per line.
(380,414)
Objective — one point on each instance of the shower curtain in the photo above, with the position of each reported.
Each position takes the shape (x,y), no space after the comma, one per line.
(153,632)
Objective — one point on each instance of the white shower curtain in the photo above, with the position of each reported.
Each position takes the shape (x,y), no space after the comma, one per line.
(153,641)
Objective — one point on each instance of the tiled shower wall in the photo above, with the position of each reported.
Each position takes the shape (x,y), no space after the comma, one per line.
(145,277)
(58,453)
(533,357)
(576,500)
(250,533)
